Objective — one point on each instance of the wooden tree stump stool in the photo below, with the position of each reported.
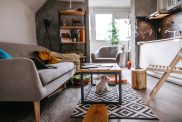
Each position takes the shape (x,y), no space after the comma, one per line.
(96,113)
(139,79)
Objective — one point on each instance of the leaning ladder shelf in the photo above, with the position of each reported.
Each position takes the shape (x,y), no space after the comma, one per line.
(167,70)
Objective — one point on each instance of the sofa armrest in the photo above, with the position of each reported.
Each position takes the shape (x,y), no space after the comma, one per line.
(19,80)
(121,59)
(94,56)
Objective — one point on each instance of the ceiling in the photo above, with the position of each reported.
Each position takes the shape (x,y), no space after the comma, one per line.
(34,4)
(109,3)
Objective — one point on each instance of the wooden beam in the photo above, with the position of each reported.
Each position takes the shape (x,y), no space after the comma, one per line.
(176,70)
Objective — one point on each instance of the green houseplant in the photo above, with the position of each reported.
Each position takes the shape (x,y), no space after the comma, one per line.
(113,34)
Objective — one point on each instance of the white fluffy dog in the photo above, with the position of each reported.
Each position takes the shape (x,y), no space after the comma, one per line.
(102,86)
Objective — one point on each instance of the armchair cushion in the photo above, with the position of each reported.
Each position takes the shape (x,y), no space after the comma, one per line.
(48,75)
(108,52)
(105,60)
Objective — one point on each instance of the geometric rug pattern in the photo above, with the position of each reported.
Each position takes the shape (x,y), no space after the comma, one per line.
(112,95)
(132,107)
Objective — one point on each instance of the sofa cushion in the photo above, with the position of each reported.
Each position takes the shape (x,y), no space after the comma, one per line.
(105,60)
(40,65)
(48,75)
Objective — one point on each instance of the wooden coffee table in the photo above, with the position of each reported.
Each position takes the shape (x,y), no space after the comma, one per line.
(100,68)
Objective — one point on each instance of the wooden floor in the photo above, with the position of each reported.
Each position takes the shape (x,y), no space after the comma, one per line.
(167,105)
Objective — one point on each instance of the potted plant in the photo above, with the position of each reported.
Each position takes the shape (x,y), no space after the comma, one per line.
(113,34)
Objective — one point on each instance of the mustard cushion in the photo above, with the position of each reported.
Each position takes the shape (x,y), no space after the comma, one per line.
(44,55)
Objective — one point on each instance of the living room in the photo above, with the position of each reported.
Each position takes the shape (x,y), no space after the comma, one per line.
(66,34)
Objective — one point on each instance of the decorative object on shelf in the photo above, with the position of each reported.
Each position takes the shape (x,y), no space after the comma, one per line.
(47,22)
(79,9)
(65,35)
(77,22)
(74,35)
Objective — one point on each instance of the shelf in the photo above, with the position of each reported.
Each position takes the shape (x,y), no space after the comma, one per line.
(72,42)
(72,12)
(72,27)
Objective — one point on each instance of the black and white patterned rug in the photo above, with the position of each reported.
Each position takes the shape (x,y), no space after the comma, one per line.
(133,107)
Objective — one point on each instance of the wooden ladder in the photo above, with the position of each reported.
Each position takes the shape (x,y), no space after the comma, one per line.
(167,70)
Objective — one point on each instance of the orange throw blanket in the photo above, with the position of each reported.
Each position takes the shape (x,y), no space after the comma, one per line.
(45,56)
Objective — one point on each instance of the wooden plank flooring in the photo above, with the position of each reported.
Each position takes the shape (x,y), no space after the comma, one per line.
(167,105)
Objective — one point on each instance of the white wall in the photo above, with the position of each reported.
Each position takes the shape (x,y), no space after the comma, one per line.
(109,3)
(161,53)
(17,22)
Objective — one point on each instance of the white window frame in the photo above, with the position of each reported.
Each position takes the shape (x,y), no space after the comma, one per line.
(124,13)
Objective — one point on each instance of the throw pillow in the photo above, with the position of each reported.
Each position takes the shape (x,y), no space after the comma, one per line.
(4,55)
(46,57)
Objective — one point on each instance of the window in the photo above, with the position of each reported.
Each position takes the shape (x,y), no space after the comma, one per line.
(124,28)
(102,23)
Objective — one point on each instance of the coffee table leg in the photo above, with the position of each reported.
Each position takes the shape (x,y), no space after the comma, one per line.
(116,79)
(82,88)
(91,79)
(120,88)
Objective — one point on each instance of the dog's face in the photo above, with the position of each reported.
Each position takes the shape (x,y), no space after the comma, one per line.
(104,78)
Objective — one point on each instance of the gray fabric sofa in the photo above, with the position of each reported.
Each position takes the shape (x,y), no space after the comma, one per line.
(110,54)
(21,81)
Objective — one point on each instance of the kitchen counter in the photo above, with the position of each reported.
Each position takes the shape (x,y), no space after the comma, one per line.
(160,40)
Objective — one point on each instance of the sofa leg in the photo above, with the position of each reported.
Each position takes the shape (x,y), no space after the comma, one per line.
(65,85)
(71,79)
(37,111)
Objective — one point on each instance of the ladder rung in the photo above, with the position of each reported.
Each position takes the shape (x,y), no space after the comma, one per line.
(178,71)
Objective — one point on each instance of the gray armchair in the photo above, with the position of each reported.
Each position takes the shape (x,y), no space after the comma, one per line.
(110,54)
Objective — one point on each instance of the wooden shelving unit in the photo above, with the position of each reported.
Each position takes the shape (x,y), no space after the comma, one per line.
(66,28)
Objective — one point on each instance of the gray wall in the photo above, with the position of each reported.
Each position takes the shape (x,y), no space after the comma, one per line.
(17,22)
(50,10)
